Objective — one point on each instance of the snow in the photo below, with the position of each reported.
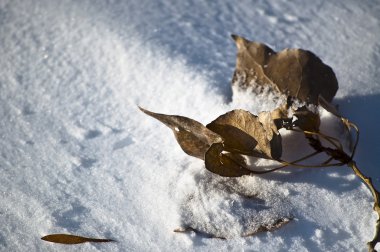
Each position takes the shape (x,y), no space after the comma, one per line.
(77,156)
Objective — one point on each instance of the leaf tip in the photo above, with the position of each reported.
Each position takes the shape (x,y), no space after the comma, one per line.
(142,109)
(145,111)
(45,238)
(240,41)
(234,37)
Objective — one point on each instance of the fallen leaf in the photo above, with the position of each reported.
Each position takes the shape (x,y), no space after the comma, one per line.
(244,133)
(72,239)
(293,72)
(269,227)
(251,58)
(225,164)
(307,120)
(193,137)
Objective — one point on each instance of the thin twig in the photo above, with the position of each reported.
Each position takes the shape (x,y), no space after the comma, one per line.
(376,205)
(286,164)
(328,160)
(311,166)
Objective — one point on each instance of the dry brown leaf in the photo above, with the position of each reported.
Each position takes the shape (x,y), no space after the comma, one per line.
(280,112)
(193,137)
(244,133)
(293,72)
(269,227)
(272,134)
(307,120)
(72,239)
(225,164)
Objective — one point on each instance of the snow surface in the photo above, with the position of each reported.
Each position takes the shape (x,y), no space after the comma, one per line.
(77,156)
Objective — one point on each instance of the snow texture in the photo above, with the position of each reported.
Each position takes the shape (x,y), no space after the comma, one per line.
(77,156)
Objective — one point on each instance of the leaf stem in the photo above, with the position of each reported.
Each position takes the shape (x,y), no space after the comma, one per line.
(376,206)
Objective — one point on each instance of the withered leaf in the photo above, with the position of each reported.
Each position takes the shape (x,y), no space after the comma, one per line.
(72,239)
(244,133)
(307,120)
(293,72)
(273,137)
(225,164)
(193,137)
(269,227)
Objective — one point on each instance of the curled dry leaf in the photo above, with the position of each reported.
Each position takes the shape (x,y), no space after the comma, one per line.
(293,72)
(193,137)
(246,134)
(72,239)
(223,163)
(307,120)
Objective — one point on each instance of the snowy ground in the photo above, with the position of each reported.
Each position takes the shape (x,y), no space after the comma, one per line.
(78,157)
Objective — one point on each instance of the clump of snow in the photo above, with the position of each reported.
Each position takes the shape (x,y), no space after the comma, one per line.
(233,207)
(79,157)
(256,99)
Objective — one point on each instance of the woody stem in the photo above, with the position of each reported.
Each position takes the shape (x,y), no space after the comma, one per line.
(376,206)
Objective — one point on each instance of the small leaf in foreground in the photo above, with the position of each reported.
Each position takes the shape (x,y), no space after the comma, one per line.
(71,239)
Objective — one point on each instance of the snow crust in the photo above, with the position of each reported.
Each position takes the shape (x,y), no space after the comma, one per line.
(77,156)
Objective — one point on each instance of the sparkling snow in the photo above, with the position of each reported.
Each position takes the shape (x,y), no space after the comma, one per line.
(77,156)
